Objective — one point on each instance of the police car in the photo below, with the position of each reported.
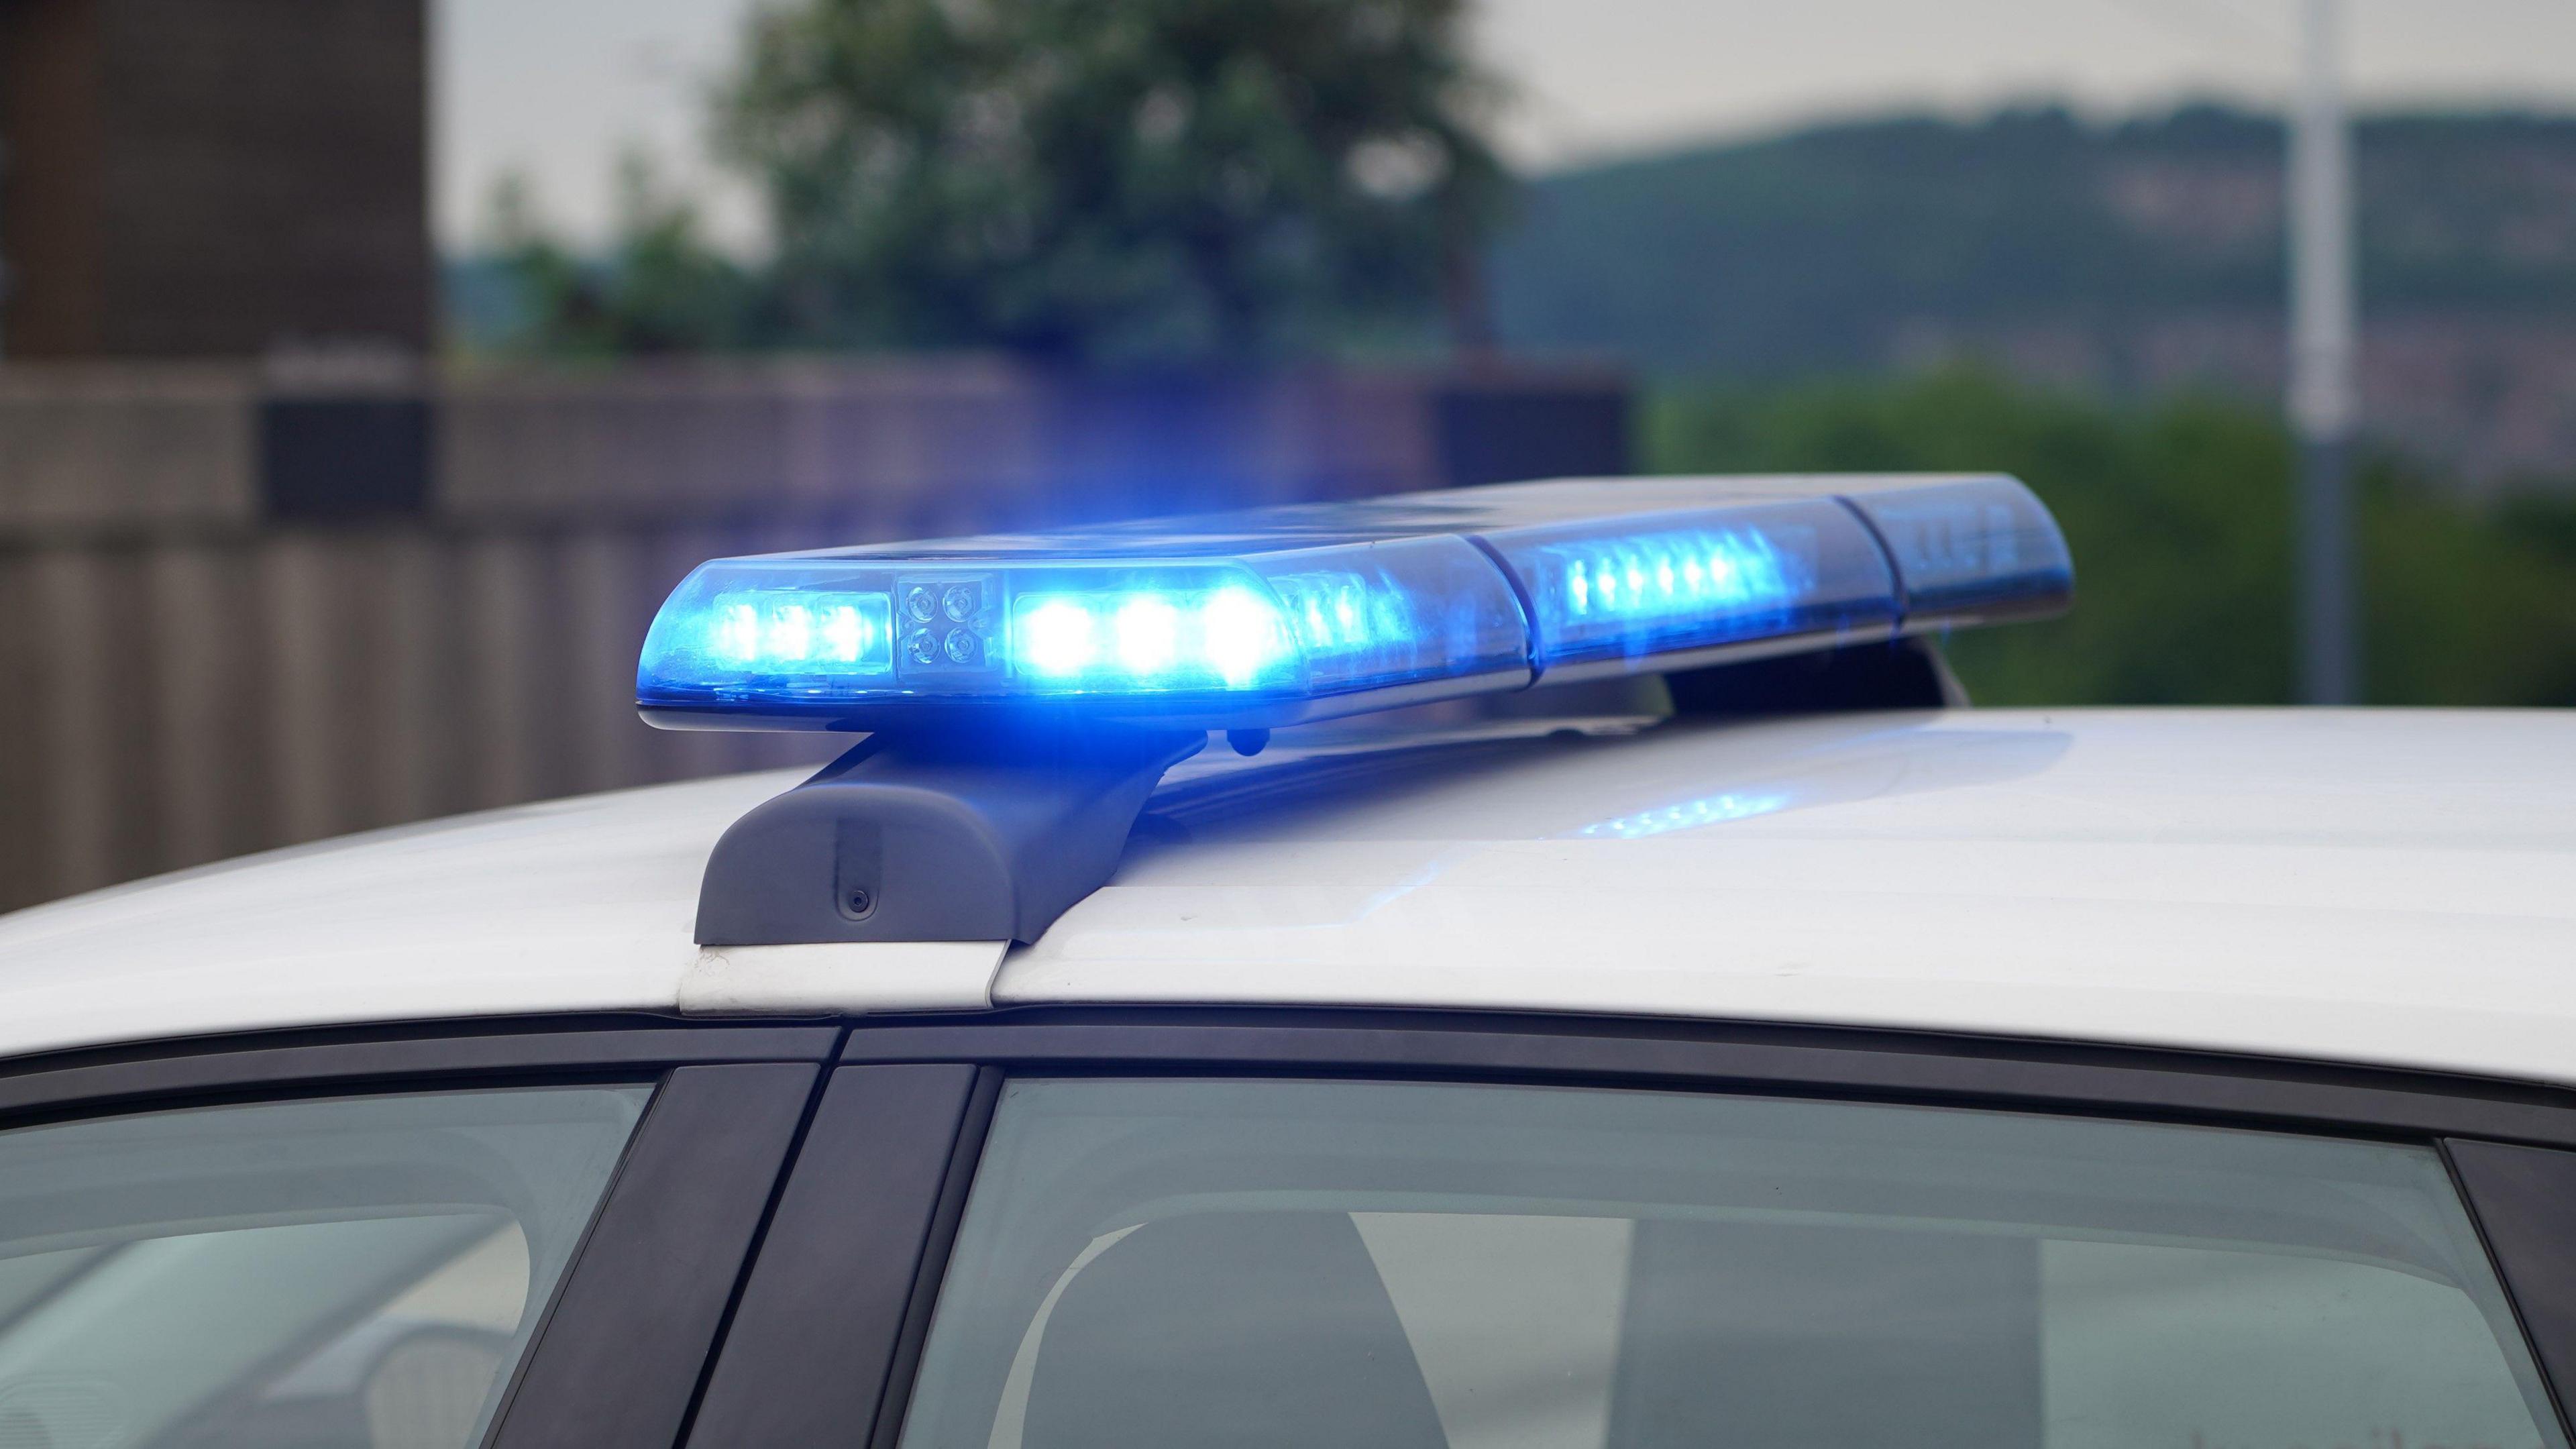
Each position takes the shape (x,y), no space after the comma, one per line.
(1222,1002)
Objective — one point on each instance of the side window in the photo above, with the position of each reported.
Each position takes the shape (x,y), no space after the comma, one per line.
(1264,1264)
(355,1273)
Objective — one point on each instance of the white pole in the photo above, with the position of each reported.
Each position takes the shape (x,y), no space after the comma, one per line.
(2323,405)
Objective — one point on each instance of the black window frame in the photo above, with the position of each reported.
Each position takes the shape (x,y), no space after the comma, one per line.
(621,1348)
(829,1330)
(763,1267)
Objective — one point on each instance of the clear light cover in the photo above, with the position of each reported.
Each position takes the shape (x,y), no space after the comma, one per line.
(1220,641)
(1970,549)
(1278,615)
(1630,589)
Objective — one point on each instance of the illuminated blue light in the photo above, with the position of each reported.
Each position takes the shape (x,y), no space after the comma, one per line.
(1059,638)
(1136,640)
(1688,815)
(1334,611)
(1274,635)
(1240,635)
(1610,593)
(1681,574)
(818,633)
(1149,636)
(1308,611)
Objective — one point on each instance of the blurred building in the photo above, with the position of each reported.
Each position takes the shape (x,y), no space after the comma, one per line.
(244,612)
(2127,259)
(212,178)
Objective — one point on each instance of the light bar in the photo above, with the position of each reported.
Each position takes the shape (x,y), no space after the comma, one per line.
(1967,550)
(1274,616)
(1606,599)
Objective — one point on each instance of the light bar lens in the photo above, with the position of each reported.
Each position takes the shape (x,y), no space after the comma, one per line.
(1971,549)
(1149,636)
(800,639)
(1279,615)
(1635,588)
(1405,614)
(825,634)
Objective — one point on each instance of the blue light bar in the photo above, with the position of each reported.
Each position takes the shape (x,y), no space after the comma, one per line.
(1278,615)
(1969,550)
(1216,638)
(1603,600)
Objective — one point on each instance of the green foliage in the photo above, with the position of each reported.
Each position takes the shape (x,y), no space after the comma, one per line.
(2466,607)
(1112,179)
(2178,516)
(662,288)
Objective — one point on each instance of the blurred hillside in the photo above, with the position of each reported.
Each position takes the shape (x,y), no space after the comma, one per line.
(2129,259)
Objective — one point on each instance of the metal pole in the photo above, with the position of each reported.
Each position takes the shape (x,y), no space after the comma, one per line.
(2323,406)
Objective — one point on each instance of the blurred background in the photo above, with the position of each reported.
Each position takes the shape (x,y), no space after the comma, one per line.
(369,369)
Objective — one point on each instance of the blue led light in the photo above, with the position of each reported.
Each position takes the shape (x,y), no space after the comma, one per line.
(1271,635)
(1280,615)
(816,639)
(835,634)
(1605,594)
(1660,578)
(1148,639)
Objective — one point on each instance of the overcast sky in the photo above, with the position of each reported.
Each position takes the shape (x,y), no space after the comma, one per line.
(556,88)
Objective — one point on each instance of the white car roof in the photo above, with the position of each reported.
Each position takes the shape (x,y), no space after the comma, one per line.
(2396,888)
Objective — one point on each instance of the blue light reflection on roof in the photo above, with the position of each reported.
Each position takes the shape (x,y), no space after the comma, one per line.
(1687,815)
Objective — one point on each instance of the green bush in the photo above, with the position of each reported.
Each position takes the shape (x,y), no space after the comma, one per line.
(2178,515)
(661,288)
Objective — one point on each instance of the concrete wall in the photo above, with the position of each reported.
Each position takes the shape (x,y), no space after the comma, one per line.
(226,630)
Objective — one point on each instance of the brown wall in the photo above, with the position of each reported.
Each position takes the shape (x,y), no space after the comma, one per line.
(50,181)
(210,178)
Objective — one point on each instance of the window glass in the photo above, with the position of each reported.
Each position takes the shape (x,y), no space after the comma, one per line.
(1361,1265)
(339,1274)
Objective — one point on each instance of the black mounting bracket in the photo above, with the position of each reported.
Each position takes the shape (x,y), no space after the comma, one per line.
(963,836)
(1907,673)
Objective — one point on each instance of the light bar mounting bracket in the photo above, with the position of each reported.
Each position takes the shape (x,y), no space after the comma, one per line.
(959,836)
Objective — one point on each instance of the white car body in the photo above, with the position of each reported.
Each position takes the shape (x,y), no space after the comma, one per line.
(2373,887)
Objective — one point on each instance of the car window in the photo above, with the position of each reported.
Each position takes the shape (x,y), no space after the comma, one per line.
(1153,1264)
(353,1273)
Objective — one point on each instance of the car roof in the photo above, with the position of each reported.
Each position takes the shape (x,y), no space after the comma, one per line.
(2385,887)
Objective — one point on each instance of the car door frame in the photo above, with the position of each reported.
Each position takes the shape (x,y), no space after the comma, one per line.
(838,1299)
(621,1346)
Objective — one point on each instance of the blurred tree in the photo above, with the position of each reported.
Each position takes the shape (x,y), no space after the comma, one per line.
(660,289)
(1116,180)
(2179,521)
